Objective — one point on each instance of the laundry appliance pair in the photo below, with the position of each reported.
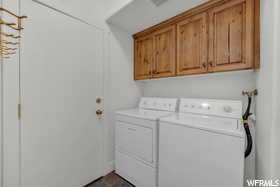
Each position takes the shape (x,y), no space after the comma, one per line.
(188,142)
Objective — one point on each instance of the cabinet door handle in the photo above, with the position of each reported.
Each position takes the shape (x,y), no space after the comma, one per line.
(204,65)
(155,72)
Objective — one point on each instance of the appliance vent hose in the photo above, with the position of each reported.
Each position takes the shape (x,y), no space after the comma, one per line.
(246,116)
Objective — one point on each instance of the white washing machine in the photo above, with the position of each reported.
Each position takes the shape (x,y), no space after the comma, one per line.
(136,150)
(202,145)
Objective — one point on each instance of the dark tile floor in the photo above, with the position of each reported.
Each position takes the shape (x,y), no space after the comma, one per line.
(111,180)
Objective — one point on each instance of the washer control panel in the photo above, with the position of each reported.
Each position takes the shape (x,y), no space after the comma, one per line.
(156,103)
(223,108)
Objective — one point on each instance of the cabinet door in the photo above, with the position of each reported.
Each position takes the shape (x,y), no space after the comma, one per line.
(143,58)
(231,36)
(192,45)
(165,44)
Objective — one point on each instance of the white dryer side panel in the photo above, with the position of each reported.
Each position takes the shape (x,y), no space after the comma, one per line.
(198,158)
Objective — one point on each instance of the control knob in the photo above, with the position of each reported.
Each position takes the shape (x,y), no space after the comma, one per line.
(228,109)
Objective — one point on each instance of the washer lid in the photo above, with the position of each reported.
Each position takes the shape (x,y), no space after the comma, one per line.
(144,114)
(220,125)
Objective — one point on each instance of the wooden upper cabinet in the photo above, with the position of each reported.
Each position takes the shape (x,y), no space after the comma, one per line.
(144,51)
(192,45)
(216,36)
(164,51)
(231,36)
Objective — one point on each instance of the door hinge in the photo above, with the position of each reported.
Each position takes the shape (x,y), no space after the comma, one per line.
(19,111)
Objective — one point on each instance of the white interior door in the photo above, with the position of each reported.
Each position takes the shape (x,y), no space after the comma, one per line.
(61,76)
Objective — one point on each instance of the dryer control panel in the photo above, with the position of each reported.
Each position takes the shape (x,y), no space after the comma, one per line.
(222,108)
(156,103)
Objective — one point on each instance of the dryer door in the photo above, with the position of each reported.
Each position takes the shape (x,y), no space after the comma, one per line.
(137,141)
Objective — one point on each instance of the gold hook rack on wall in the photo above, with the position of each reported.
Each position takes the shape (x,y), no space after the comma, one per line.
(6,23)
(7,42)
(9,12)
(7,48)
(9,35)
(5,37)
(11,25)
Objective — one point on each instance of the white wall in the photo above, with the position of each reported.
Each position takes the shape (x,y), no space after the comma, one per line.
(213,86)
(276,125)
(265,84)
(93,12)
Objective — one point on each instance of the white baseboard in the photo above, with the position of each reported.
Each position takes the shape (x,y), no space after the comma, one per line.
(109,167)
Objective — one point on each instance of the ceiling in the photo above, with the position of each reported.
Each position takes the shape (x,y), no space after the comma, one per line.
(137,15)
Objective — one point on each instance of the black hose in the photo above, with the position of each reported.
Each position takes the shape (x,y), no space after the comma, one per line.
(246,116)
(249,141)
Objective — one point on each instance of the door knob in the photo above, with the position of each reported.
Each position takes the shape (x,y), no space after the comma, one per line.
(99,112)
(98,100)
